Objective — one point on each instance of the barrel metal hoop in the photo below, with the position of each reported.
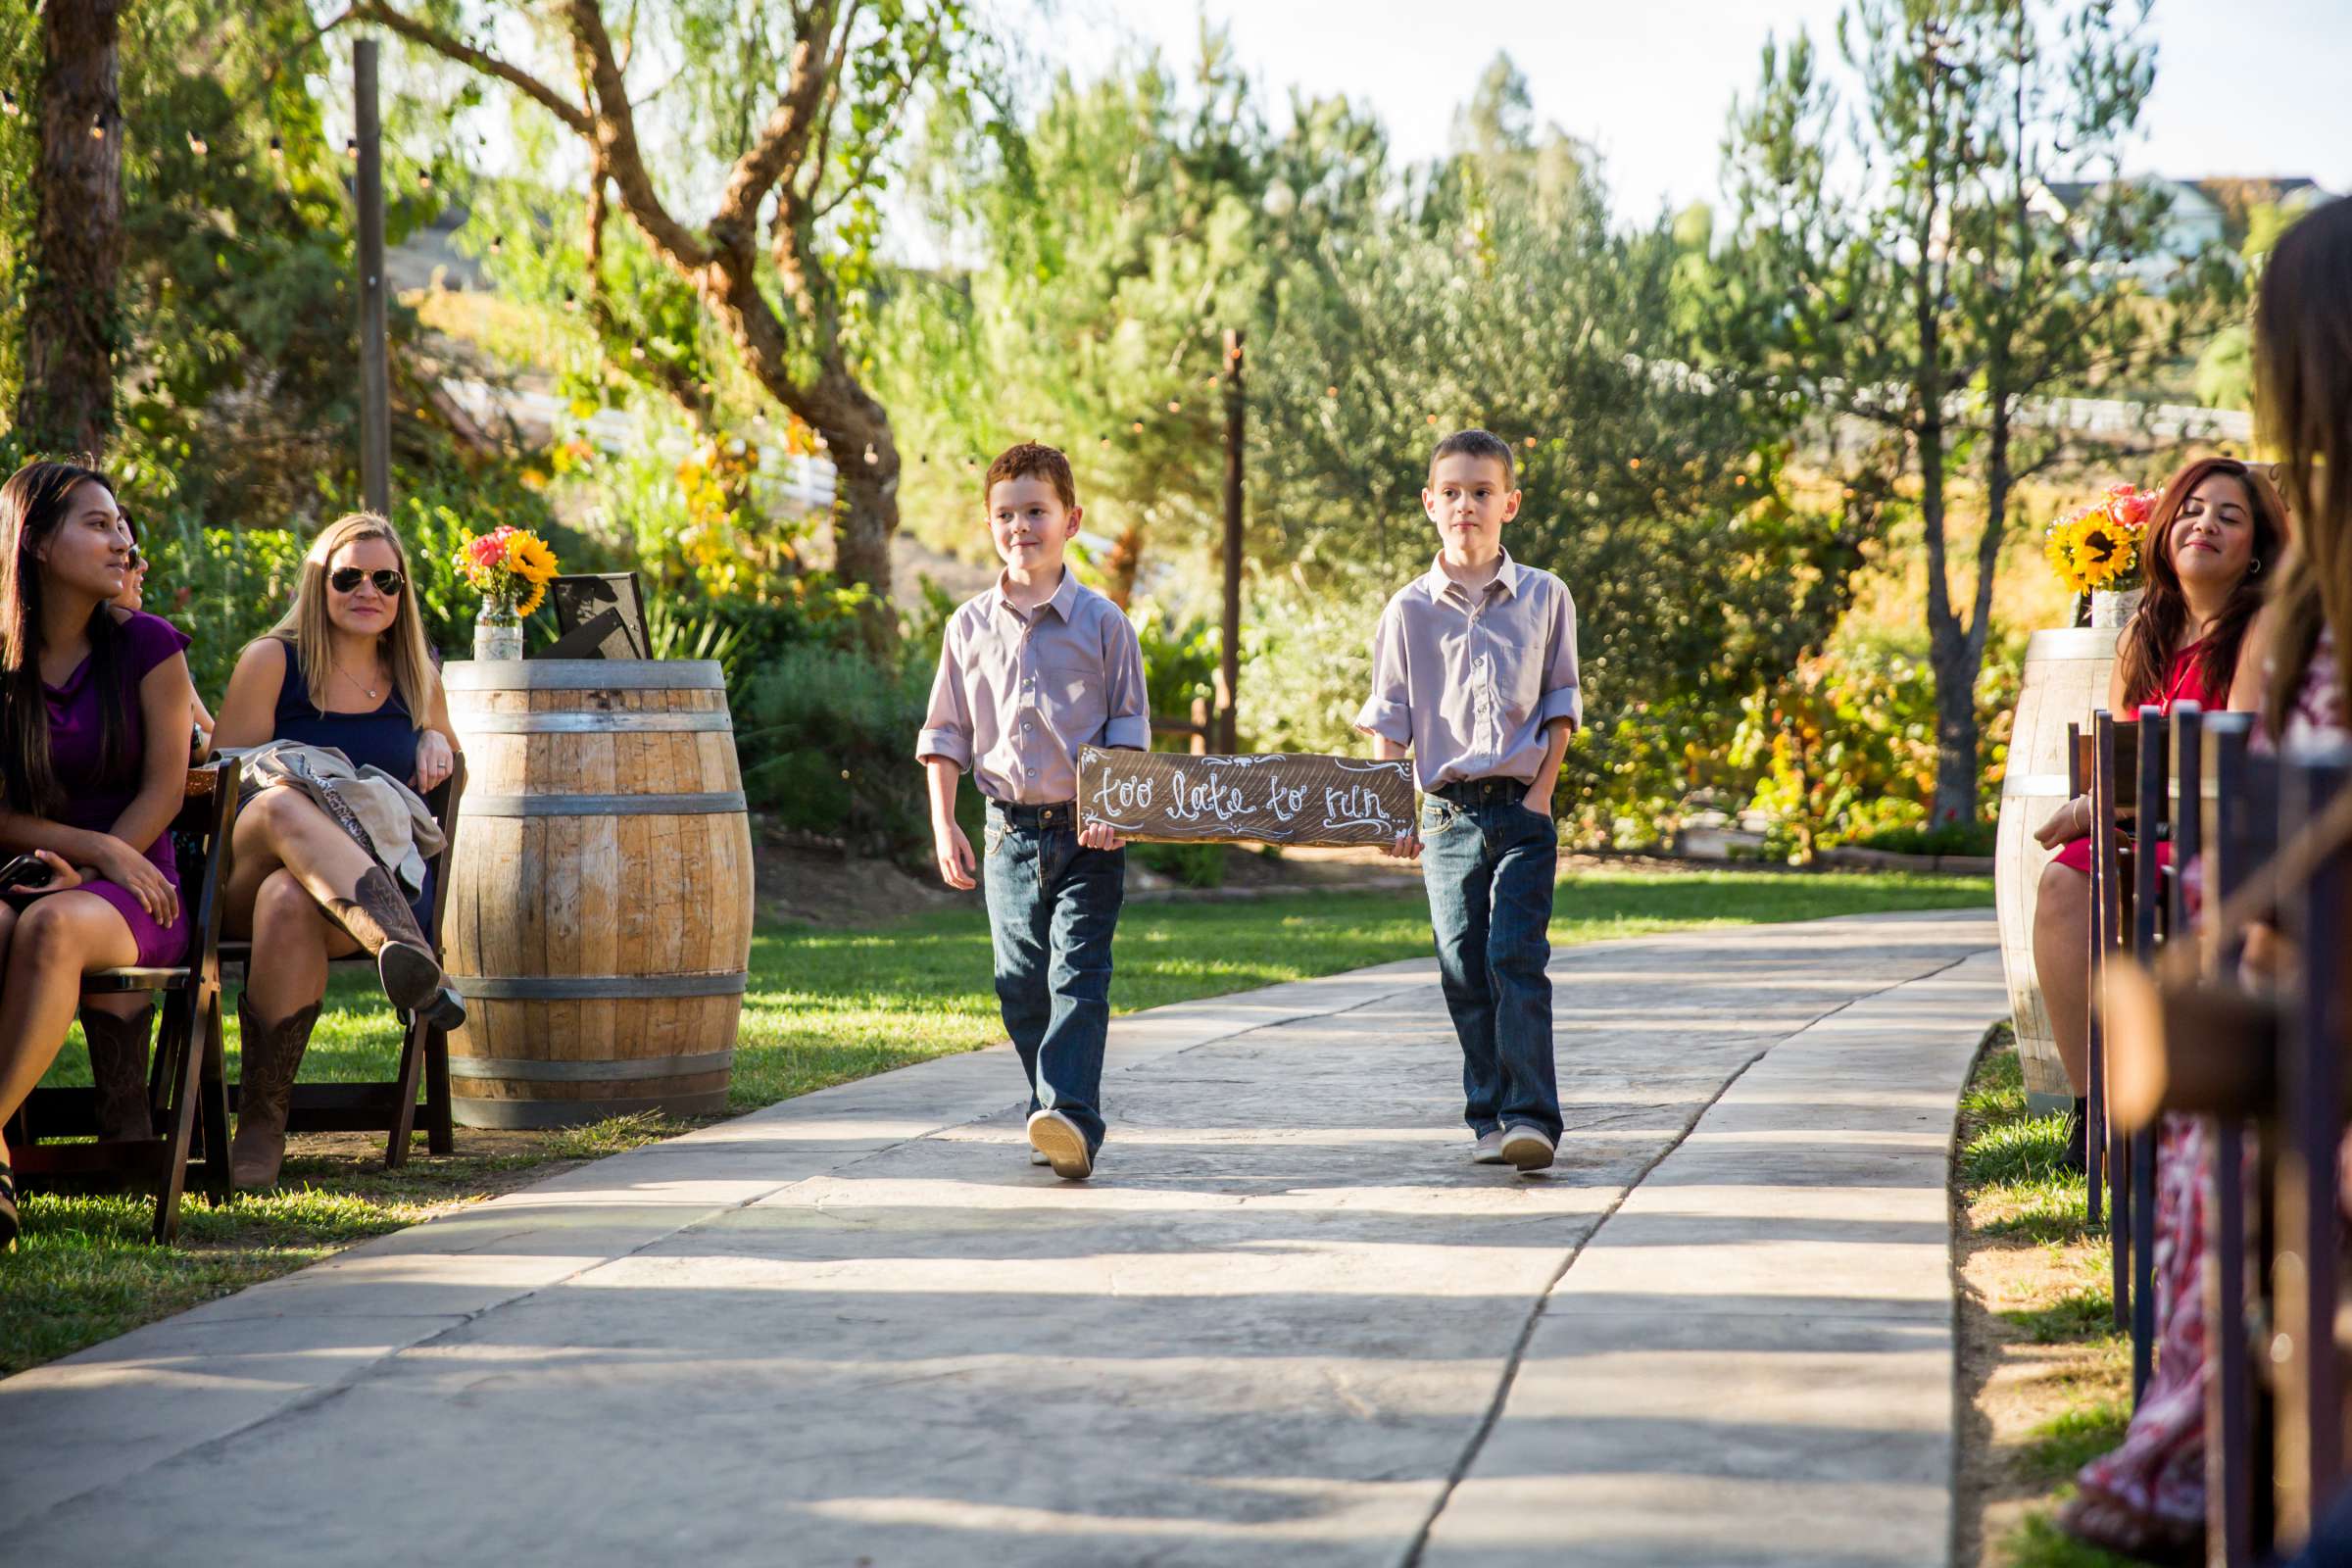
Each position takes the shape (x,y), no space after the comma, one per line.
(595,722)
(533,1070)
(718,802)
(594,987)
(583,675)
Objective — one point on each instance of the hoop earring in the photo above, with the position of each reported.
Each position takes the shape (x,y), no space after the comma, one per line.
(2255,570)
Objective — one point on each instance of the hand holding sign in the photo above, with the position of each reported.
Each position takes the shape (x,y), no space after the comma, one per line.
(1278,797)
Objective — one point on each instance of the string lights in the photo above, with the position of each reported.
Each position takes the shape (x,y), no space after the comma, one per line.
(8,104)
(197,144)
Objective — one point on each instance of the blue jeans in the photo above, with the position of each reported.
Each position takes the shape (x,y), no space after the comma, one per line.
(1489,862)
(1052,907)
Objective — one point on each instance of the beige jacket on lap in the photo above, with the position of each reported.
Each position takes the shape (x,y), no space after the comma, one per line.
(381,813)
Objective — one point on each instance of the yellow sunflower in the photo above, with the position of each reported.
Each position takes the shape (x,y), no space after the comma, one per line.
(531,559)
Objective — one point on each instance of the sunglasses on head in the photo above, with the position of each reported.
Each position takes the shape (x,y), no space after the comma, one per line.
(345,580)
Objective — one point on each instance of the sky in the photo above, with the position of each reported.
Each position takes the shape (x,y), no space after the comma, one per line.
(2242,86)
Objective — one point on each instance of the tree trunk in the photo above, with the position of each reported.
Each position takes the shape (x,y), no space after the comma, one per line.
(865,514)
(1120,566)
(1955,736)
(67,400)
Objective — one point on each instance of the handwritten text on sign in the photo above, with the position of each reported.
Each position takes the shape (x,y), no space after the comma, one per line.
(1278,797)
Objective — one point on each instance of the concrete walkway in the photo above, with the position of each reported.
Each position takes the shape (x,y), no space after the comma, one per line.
(1288,1322)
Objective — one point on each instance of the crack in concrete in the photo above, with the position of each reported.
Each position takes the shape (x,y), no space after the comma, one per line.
(1526,1330)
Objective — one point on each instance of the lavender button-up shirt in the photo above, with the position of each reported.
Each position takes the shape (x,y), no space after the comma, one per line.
(1471,684)
(1017,695)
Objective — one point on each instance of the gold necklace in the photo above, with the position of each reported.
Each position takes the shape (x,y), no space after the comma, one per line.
(372,693)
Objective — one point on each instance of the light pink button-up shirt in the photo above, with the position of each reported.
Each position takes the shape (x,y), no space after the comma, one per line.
(1471,684)
(1017,695)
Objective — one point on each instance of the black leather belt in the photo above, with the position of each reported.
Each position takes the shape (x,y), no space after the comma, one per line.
(1483,791)
(1054,813)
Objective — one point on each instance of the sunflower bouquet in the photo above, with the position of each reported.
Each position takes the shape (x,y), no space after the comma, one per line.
(511,568)
(2097,546)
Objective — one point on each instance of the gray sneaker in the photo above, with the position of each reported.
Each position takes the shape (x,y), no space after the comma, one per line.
(1527,1147)
(1058,1138)
(1488,1150)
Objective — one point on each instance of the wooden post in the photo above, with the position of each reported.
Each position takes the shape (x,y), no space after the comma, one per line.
(375,366)
(1229,666)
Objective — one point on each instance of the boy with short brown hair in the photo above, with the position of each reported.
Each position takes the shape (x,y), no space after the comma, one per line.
(1474,677)
(1029,671)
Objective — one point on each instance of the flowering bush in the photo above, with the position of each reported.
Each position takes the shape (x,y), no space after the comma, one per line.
(2098,546)
(511,568)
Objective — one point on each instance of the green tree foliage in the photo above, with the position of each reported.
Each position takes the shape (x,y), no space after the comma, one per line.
(747,149)
(1117,234)
(1912,268)
(1502,299)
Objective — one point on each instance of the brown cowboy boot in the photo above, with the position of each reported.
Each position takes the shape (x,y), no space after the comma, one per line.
(118,1072)
(272,1053)
(379,919)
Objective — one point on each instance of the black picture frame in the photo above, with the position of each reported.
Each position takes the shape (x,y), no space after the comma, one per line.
(599,616)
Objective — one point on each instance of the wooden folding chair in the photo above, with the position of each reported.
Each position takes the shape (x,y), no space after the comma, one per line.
(2306,1261)
(2081,763)
(388,1105)
(2114,796)
(185,1085)
(2219,829)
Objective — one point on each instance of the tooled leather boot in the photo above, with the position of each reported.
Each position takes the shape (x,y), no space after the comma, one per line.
(272,1053)
(380,920)
(118,1072)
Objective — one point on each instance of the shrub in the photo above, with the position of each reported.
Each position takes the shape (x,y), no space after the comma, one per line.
(1953,838)
(1192,865)
(827,738)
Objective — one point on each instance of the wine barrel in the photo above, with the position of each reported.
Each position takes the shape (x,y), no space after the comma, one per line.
(598,920)
(2065,678)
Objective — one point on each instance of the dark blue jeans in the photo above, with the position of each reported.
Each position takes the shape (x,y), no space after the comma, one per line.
(1490,864)
(1052,907)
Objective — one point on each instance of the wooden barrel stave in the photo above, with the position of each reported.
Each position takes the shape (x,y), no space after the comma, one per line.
(568,879)
(2065,678)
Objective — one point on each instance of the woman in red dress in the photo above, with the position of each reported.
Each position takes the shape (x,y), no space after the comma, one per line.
(2213,533)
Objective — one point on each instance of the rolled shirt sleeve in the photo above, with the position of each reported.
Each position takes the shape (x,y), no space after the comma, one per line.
(1563,690)
(1388,713)
(1127,698)
(947,723)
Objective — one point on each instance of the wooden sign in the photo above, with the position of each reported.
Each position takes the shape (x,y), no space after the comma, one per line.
(1278,797)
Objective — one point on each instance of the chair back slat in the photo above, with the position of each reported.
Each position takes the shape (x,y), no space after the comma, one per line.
(2110,902)
(2188,812)
(2080,761)
(2309,1444)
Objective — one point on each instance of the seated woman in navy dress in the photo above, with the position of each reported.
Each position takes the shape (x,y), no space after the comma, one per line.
(84,686)
(347,668)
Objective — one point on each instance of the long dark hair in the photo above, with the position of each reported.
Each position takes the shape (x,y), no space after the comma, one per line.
(33,503)
(2303,392)
(2158,626)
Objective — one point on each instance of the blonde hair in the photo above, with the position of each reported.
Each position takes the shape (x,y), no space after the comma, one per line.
(306,626)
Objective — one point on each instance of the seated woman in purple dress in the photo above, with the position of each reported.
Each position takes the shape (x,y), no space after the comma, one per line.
(82,687)
(347,668)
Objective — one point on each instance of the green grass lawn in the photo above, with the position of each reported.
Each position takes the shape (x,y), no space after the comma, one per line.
(823,1007)
(2017,1197)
